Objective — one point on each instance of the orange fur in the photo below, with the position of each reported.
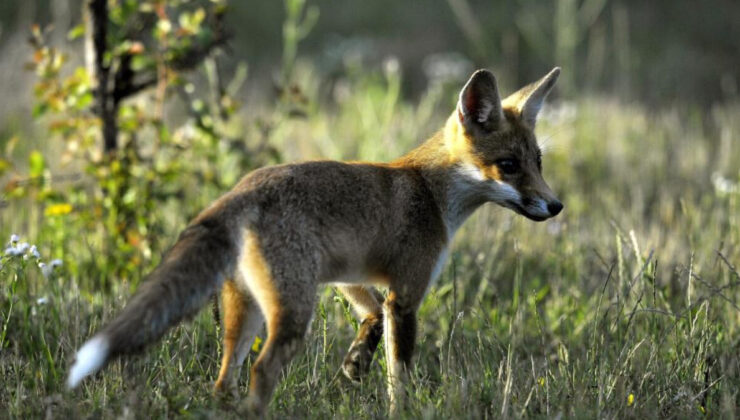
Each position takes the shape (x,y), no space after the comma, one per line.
(259,280)
(234,309)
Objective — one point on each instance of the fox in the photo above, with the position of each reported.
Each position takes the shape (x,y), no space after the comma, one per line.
(283,231)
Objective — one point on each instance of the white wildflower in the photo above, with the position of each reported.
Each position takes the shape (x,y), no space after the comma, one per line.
(391,66)
(42,300)
(45,270)
(724,185)
(56,263)
(14,238)
(13,252)
(34,252)
(23,247)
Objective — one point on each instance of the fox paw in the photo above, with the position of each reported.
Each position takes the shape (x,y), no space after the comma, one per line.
(251,408)
(356,364)
(227,391)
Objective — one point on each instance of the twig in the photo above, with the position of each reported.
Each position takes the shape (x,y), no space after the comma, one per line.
(716,290)
(729,265)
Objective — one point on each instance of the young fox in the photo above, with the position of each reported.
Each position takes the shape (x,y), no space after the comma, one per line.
(282,231)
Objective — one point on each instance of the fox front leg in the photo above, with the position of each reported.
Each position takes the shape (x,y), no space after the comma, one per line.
(367,303)
(400,338)
(356,364)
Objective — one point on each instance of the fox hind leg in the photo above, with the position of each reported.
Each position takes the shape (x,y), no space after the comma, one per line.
(287,324)
(242,321)
(286,294)
(367,303)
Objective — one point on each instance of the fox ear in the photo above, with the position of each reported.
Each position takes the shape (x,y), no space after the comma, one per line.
(479,106)
(528,100)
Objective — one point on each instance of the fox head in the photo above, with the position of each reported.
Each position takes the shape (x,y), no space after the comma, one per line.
(493,144)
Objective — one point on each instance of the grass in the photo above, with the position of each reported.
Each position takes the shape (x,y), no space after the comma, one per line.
(625,305)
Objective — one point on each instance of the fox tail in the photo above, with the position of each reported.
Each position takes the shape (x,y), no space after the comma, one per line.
(191,272)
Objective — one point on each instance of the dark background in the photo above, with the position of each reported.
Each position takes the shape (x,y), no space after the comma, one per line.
(658,51)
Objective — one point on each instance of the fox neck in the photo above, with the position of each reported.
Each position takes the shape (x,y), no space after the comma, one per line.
(453,180)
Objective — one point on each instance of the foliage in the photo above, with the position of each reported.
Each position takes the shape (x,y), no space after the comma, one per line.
(150,44)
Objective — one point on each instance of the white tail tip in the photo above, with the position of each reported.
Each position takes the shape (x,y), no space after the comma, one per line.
(90,357)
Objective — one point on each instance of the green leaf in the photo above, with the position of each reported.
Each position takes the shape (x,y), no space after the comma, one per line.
(76,32)
(141,63)
(4,166)
(39,109)
(84,101)
(36,164)
(542,293)
(164,134)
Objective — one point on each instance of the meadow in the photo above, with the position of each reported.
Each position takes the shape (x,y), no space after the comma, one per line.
(625,305)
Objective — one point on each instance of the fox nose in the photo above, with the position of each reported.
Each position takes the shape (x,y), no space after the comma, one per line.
(554,207)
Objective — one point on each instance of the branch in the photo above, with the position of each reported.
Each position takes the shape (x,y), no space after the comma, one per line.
(124,84)
(197,53)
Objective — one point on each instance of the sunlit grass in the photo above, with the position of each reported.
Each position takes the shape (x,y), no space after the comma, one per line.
(625,305)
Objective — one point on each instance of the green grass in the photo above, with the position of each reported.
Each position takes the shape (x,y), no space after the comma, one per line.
(625,305)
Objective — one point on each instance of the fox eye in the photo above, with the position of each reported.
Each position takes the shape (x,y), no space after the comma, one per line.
(508,166)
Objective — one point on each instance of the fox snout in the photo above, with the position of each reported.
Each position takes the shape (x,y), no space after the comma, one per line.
(554,207)
(538,209)
(551,203)
(537,206)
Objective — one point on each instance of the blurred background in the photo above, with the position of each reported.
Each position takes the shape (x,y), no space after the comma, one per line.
(120,120)
(659,51)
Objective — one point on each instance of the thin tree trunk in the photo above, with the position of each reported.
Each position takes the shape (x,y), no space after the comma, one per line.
(96,45)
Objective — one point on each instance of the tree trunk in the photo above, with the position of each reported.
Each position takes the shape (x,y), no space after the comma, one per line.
(96,45)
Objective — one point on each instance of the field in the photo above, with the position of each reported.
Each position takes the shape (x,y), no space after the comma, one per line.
(625,305)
